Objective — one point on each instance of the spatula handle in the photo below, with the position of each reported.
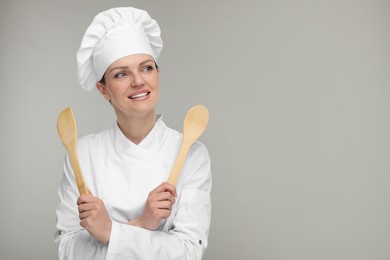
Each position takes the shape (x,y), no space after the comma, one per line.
(181,157)
(77,171)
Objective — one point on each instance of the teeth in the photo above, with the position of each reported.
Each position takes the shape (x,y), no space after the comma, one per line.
(139,95)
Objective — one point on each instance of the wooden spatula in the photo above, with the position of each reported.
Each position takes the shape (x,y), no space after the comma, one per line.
(195,123)
(67,130)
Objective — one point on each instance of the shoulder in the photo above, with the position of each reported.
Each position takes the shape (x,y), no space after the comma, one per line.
(197,168)
(95,142)
(170,132)
(199,149)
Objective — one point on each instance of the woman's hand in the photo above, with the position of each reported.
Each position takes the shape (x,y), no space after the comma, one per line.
(94,217)
(158,206)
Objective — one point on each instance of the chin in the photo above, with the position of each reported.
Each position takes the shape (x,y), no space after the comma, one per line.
(144,109)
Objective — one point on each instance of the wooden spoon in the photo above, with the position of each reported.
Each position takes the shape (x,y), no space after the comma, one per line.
(195,123)
(67,130)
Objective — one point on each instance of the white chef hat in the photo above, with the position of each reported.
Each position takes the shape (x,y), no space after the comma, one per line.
(113,34)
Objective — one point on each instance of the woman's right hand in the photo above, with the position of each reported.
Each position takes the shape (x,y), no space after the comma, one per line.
(158,206)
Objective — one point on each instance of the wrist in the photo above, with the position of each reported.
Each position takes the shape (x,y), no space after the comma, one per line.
(107,235)
(136,223)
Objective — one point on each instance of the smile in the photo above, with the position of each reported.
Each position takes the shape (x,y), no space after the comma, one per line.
(144,94)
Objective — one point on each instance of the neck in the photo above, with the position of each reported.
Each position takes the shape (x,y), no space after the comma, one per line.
(136,128)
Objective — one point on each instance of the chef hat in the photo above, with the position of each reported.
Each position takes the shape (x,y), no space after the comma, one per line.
(113,34)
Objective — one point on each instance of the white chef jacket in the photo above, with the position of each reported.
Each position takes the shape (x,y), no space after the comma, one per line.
(122,174)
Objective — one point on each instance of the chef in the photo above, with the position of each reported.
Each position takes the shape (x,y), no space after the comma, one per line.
(131,212)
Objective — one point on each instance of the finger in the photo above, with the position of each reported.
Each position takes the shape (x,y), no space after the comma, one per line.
(84,215)
(86,207)
(166,204)
(85,223)
(166,196)
(165,186)
(85,198)
(158,189)
(165,213)
(169,187)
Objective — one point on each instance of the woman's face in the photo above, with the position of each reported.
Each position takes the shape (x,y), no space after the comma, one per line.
(132,85)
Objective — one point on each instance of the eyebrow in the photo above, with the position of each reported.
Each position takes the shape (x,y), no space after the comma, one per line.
(119,68)
(127,67)
(146,61)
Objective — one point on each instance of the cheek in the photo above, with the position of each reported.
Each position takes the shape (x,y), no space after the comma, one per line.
(157,90)
(157,84)
(116,89)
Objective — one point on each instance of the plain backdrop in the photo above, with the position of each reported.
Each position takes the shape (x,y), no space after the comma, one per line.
(299,101)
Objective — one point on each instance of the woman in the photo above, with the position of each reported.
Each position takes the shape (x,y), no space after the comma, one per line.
(131,211)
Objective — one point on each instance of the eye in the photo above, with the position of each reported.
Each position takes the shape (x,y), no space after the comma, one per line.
(120,75)
(147,68)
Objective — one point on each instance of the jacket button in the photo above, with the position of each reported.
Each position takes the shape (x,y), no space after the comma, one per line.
(200,242)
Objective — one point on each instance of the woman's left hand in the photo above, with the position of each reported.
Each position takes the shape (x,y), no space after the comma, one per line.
(158,207)
(94,217)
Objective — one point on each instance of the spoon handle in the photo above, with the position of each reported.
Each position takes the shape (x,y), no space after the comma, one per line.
(77,170)
(181,157)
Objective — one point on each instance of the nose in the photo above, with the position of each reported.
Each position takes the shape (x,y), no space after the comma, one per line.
(137,81)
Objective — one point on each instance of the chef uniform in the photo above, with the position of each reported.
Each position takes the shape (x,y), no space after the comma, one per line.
(122,173)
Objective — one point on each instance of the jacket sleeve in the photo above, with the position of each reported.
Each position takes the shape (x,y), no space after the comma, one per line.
(73,242)
(186,237)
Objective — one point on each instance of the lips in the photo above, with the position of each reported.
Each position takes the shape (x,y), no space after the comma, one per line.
(139,95)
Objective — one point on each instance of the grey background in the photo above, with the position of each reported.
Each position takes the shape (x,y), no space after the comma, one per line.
(298,93)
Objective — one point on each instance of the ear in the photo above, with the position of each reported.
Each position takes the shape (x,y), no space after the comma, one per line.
(103,90)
